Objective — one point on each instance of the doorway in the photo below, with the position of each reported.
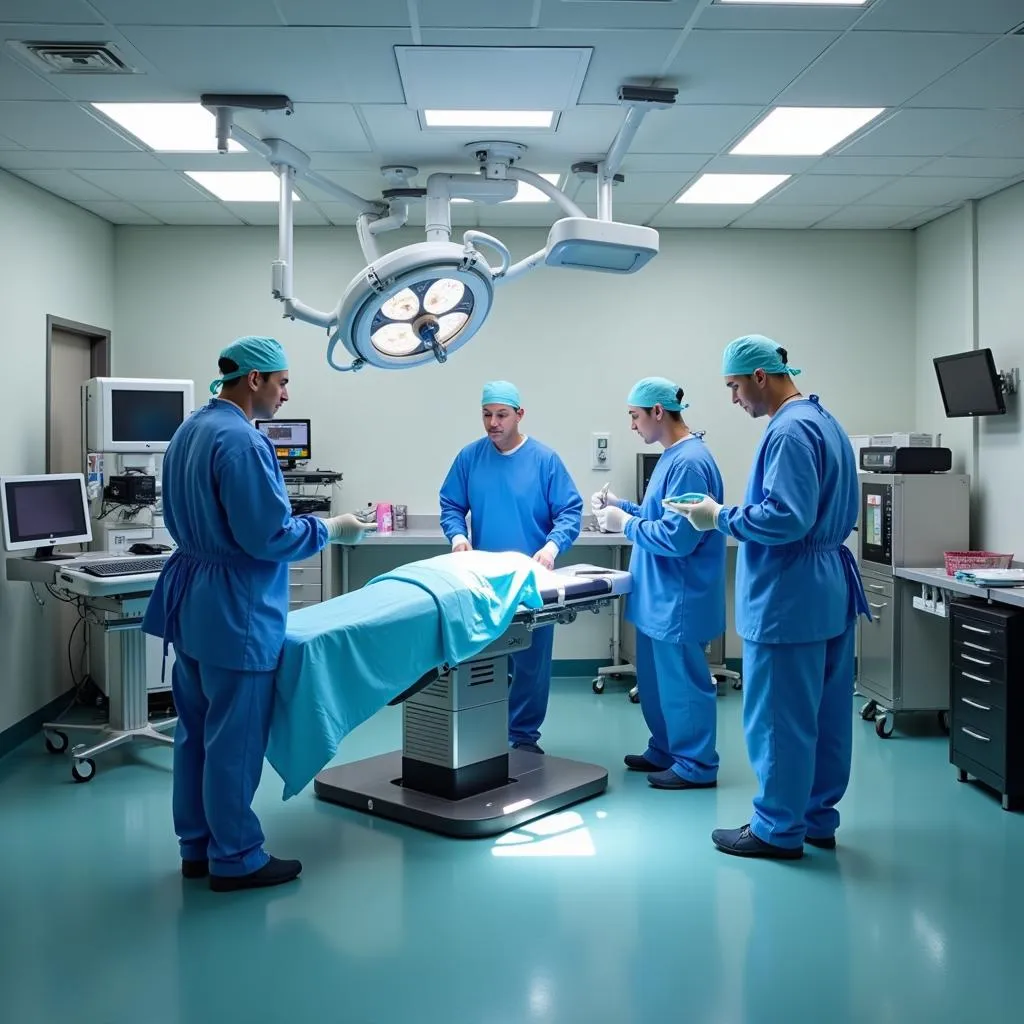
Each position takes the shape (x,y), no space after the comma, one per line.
(74,353)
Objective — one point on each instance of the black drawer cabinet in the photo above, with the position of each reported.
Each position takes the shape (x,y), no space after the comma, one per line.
(986,696)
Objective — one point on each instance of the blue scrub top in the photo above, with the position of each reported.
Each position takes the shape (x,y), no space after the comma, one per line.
(518,501)
(796,581)
(678,573)
(222,597)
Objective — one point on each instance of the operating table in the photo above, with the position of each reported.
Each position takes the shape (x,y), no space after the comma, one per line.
(455,773)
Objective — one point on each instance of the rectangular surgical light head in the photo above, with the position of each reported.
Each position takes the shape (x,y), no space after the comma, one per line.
(582,243)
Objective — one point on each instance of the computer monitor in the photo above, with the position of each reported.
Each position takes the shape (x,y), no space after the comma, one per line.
(133,415)
(970,384)
(42,511)
(290,438)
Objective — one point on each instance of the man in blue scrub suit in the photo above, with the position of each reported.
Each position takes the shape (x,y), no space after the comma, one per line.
(798,595)
(222,600)
(521,498)
(678,600)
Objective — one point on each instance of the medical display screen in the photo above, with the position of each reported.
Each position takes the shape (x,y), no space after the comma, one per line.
(873,521)
(145,415)
(969,384)
(290,438)
(41,509)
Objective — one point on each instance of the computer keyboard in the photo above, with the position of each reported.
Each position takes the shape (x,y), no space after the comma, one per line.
(123,566)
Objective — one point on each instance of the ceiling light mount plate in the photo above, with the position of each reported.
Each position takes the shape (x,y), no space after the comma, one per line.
(399,175)
(496,152)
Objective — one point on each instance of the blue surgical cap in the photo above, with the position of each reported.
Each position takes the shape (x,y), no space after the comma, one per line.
(652,391)
(500,392)
(251,353)
(753,352)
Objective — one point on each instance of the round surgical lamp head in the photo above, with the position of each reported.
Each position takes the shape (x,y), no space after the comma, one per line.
(412,306)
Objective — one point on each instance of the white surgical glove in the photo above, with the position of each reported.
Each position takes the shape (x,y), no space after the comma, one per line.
(460,543)
(612,519)
(547,555)
(703,514)
(602,499)
(347,529)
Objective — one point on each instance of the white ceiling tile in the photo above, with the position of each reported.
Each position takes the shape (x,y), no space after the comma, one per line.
(474,14)
(365,185)
(324,161)
(892,166)
(728,164)
(767,16)
(117,212)
(534,215)
(193,12)
(49,125)
(66,185)
(191,213)
(211,161)
(56,160)
(693,129)
(924,191)
(693,216)
(586,13)
(156,186)
(995,16)
(973,167)
(925,217)
(642,163)
(827,189)
(1004,139)
(266,213)
(18,83)
(72,12)
(646,188)
(743,67)
(9,144)
(521,78)
(380,13)
(624,213)
(338,213)
(793,217)
(991,79)
(619,56)
(914,132)
(321,126)
(588,131)
(151,87)
(870,217)
(869,69)
(326,65)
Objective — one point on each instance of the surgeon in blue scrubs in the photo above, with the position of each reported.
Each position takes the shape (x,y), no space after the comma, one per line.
(798,595)
(678,600)
(222,600)
(521,498)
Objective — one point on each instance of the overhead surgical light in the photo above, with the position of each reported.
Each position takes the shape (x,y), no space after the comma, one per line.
(422,302)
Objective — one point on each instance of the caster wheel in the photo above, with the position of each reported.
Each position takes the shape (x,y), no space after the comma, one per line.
(59,745)
(737,684)
(961,775)
(944,721)
(84,770)
(634,696)
(884,726)
(597,686)
(869,711)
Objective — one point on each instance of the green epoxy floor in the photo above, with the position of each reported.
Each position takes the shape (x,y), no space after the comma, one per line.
(618,910)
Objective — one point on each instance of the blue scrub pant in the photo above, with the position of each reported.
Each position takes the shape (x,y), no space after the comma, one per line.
(219,745)
(678,699)
(531,686)
(798,722)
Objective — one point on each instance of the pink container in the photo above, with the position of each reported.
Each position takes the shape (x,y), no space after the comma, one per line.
(385,517)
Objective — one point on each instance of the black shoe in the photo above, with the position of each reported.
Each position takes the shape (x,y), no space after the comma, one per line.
(639,763)
(274,872)
(821,842)
(668,779)
(741,842)
(523,745)
(195,868)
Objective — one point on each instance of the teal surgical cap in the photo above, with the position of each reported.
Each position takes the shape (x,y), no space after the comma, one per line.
(501,392)
(652,391)
(262,354)
(753,352)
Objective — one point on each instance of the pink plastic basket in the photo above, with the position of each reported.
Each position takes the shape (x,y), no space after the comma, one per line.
(956,560)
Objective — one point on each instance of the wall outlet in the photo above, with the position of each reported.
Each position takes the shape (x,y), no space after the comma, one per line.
(600,451)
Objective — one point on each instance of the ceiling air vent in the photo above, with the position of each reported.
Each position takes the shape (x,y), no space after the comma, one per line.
(77,58)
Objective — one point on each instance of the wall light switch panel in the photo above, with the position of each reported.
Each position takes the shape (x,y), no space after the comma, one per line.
(600,451)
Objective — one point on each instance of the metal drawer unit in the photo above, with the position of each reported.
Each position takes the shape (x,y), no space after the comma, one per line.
(305,583)
(986,698)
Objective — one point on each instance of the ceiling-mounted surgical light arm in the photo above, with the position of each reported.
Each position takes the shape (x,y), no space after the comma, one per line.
(443,188)
(545,186)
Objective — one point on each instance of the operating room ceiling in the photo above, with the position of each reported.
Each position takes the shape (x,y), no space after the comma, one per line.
(949,73)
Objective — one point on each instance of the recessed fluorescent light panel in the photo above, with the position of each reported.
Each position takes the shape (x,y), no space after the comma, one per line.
(241,186)
(804,131)
(168,127)
(489,118)
(806,3)
(735,189)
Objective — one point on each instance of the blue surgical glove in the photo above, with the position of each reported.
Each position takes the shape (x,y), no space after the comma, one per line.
(703,514)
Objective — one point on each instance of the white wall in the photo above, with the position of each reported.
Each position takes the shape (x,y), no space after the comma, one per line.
(58,260)
(842,303)
(990,448)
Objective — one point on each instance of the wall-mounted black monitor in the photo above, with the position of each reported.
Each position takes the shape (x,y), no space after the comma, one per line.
(970,384)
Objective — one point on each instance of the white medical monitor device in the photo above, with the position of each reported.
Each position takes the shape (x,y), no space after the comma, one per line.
(42,511)
(133,415)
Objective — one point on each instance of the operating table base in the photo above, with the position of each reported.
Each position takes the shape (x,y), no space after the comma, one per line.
(538,785)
